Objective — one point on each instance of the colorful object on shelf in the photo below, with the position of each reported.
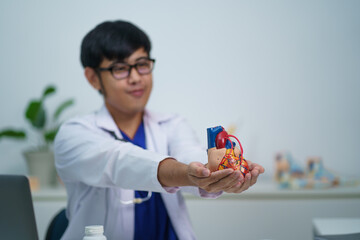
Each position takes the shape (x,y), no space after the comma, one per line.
(290,175)
(218,138)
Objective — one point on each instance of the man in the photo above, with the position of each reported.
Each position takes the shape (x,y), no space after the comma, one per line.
(124,166)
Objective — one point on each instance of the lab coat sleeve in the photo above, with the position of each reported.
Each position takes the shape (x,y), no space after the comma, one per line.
(185,147)
(86,154)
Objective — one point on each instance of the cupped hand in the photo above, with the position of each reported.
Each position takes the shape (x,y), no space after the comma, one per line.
(250,178)
(212,182)
(226,180)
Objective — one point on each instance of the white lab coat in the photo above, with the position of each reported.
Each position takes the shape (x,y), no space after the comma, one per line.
(99,170)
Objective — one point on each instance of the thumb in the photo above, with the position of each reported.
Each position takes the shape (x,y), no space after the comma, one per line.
(198,169)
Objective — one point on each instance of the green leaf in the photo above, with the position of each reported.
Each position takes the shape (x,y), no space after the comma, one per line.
(35,113)
(12,133)
(49,90)
(62,107)
(49,136)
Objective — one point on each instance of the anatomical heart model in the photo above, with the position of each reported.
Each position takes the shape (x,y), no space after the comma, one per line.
(218,138)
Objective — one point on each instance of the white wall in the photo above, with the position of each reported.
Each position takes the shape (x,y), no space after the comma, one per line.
(287,73)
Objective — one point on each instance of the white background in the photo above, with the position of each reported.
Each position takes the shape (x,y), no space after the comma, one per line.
(286,73)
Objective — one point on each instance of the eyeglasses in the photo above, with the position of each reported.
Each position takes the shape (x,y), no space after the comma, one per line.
(122,70)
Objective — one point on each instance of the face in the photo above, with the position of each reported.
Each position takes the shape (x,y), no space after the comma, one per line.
(126,96)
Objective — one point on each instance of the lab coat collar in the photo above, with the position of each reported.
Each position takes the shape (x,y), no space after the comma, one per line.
(105,121)
(157,117)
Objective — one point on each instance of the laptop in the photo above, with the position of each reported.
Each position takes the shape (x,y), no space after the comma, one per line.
(17,218)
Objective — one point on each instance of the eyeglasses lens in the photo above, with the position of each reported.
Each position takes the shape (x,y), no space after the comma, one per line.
(120,72)
(142,67)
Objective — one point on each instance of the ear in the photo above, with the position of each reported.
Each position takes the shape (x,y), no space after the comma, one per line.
(92,78)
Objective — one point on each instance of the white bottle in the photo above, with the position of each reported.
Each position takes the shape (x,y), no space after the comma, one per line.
(94,232)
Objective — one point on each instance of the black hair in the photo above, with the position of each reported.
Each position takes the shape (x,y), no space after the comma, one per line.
(114,40)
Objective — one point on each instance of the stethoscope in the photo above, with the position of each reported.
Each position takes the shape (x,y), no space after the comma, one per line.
(135,200)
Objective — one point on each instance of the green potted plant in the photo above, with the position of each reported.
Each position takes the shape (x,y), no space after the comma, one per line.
(40,158)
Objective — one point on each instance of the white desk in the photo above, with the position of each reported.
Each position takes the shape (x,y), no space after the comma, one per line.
(263,212)
(266,212)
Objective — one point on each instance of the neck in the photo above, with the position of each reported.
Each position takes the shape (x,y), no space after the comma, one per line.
(128,123)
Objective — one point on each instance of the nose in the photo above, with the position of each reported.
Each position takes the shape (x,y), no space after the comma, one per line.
(134,76)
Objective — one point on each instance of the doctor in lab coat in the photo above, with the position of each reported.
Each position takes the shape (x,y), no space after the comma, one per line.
(102,168)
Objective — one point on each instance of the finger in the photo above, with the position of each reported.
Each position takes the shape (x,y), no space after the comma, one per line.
(255,166)
(218,175)
(254,176)
(251,164)
(234,188)
(241,186)
(227,182)
(206,183)
(258,167)
(198,170)
(236,185)
(245,185)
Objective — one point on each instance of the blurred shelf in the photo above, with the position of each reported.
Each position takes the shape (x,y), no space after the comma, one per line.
(49,194)
(267,189)
(260,191)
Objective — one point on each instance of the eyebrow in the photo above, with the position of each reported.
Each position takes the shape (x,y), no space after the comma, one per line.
(123,62)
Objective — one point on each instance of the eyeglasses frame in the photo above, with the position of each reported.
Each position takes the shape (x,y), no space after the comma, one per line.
(131,66)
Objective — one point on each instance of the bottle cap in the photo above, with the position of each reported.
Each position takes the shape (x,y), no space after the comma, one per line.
(94,229)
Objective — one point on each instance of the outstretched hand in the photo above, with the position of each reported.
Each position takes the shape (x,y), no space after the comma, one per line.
(200,175)
(226,180)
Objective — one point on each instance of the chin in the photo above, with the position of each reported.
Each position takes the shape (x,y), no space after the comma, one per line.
(138,109)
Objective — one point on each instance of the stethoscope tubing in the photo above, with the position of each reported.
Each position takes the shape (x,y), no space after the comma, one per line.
(135,200)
